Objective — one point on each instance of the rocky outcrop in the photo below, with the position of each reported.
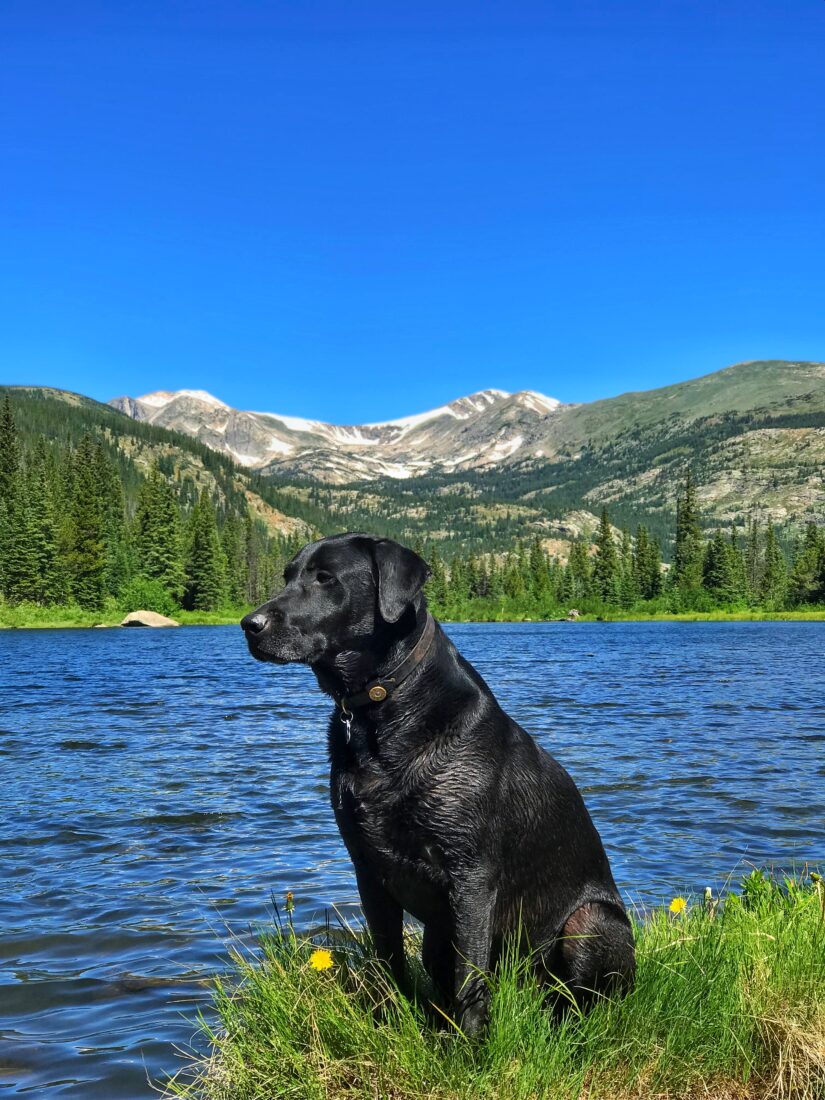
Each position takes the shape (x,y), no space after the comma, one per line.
(148,618)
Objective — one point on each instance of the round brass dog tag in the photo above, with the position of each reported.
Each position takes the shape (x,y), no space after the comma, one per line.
(377,693)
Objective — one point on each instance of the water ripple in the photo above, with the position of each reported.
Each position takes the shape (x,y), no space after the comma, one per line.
(160,789)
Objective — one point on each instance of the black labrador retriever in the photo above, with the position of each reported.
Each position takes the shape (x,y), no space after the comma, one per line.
(448,809)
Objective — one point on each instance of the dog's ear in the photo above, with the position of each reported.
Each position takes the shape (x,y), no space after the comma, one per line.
(401,576)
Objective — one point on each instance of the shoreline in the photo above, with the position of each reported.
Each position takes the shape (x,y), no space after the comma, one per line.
(92,621)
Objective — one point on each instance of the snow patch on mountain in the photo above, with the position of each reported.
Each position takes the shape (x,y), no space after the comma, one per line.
(161,398)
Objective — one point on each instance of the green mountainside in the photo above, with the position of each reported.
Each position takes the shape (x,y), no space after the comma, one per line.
(753,434)
(101,513)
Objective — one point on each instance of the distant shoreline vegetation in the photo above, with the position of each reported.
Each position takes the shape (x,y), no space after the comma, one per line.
(85,537)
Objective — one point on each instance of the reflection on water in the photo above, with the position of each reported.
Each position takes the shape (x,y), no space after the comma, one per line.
(159,787)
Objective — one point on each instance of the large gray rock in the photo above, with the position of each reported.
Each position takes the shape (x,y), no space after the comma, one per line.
(148,618)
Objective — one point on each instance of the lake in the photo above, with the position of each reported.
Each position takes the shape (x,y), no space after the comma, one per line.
(160,788)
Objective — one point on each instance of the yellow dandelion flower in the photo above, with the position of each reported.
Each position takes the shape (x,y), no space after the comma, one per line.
(320,959)
(678,905)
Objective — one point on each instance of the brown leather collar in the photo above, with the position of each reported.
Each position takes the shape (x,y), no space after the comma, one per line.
(376,691)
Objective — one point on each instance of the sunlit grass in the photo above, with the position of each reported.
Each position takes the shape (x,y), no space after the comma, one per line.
(33,616)
(729,1002)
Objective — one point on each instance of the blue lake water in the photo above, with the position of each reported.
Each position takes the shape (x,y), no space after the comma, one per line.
(158,788)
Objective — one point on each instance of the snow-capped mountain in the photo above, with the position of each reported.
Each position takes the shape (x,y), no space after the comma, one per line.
(485,429)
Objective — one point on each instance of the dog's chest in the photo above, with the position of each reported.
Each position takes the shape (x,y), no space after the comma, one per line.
(388,825)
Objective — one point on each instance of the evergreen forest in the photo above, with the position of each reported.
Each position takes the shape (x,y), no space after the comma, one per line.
(92,520)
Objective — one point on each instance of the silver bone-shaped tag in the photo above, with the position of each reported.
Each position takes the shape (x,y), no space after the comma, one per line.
(346,718)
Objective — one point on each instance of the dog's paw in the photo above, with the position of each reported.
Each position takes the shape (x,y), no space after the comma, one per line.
(473,1019)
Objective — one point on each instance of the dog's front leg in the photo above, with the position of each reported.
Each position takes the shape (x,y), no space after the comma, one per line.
(473,930)
(385,920)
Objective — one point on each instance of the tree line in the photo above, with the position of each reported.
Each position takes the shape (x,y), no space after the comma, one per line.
(82,524)
(625,572)
(75,529)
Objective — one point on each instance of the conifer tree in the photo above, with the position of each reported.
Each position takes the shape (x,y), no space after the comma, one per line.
(606,563)
(539,577)
(21,579)
(52,584)
(753,560)
(629,591)
(738,570)
(436,587)
(577,580)
(807,581)
(688,553)
(718,572)
(232,539)
(774,581)
(9,452)
(9,488)
(205,565)
(87,553)
(647,565)
(157,534)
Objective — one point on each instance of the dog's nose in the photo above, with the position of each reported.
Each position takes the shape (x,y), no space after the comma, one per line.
(254,623)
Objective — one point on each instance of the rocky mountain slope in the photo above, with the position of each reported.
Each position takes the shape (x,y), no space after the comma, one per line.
(63,418)
(494,466)
(476,432)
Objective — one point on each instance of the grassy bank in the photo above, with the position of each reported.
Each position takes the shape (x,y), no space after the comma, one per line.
(31,616)
(728,1004)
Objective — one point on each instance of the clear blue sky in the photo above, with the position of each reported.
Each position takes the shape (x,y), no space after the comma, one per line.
(360,210)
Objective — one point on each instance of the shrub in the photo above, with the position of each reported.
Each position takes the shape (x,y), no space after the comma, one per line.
(147,594)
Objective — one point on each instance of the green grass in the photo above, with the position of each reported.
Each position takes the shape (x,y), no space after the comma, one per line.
(728,1004)
(745,616)
(32,616)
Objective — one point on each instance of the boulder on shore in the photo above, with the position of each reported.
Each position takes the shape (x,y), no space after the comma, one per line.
(148,618)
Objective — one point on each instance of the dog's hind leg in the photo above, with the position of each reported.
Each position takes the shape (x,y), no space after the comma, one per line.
(594,954)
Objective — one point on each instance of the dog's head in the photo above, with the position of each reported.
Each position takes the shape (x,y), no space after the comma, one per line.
(339,593)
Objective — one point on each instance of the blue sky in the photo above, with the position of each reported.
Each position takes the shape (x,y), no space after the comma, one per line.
(355,211)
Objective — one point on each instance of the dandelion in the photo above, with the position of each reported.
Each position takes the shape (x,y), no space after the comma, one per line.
(320,959)
(290,902)
(678,905)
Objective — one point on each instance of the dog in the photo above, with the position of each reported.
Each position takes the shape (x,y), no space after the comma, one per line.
(449,810)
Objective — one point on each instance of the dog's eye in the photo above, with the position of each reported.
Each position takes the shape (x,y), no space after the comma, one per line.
(322,577)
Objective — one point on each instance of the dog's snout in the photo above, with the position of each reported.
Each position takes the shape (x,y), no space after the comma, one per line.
(254,623)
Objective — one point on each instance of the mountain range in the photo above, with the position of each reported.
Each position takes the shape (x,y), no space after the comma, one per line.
(753,433)
(480,431)
(492,467)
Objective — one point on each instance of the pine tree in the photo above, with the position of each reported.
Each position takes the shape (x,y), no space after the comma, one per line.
(774,582)
(629,591)
(753,561)
(9,452)
(688,553)
(157,534)
(718,570)
(606,563)
(9,491)
(87,553)
(113,517)
(577,579)
(538,570)
(807,580)
(232,540)
(21,578)
(436,587)
(647,565)
(52,586)
(738,569)
(205,565)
